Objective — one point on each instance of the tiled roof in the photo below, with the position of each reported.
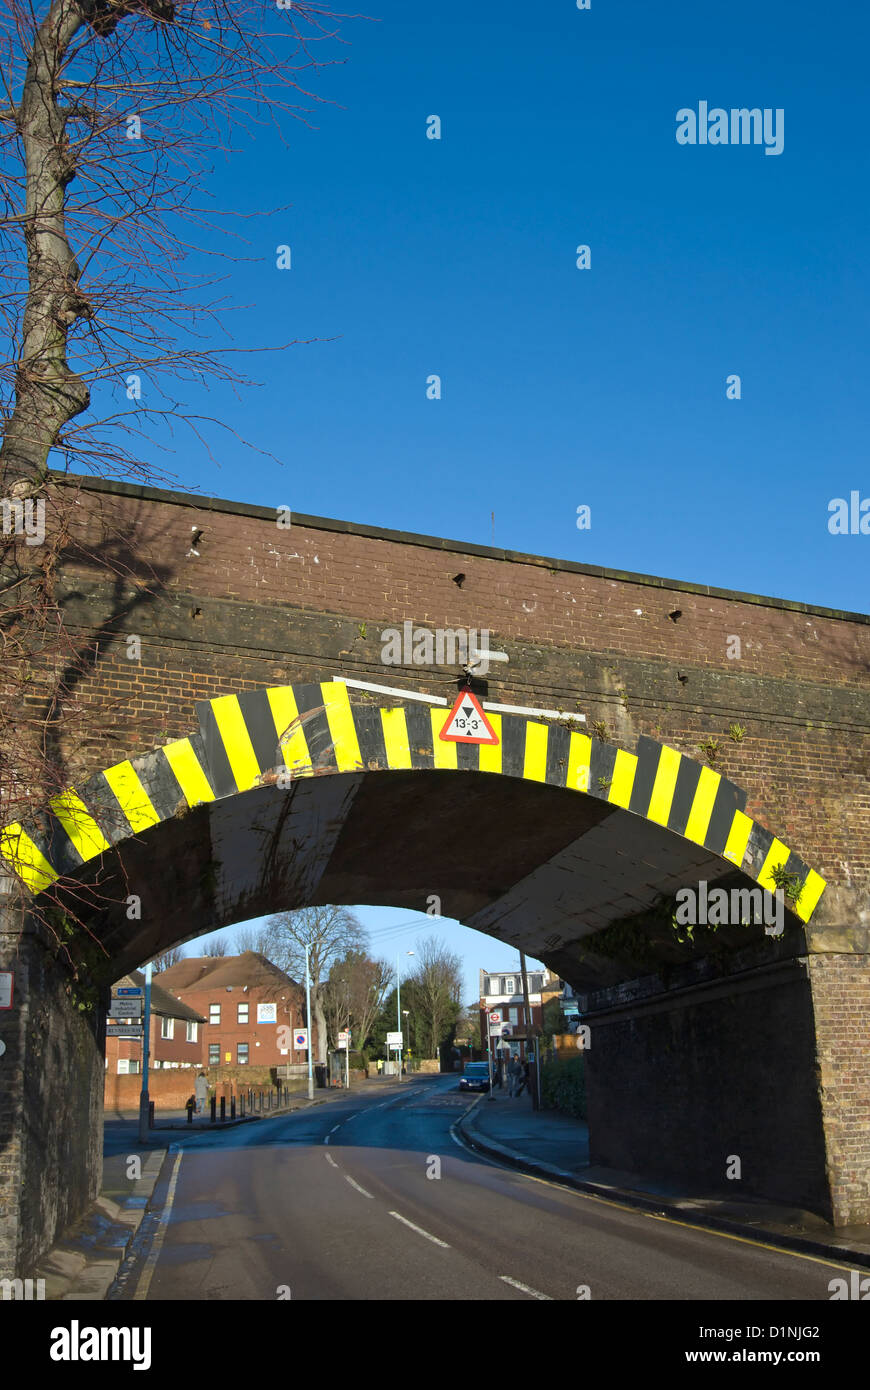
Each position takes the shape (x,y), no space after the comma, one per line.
(164,1004)
(220,972)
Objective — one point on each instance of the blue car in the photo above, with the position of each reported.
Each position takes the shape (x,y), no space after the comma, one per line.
(475,1077)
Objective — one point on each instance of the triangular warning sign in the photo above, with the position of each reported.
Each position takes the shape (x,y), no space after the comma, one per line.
(467,722)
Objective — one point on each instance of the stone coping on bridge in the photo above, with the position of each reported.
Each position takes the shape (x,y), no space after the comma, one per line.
(201,502)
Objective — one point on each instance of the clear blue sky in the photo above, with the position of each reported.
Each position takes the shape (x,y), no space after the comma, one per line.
(561,386)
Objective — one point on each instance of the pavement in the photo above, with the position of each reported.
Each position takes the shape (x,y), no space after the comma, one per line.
(553,1145)
(85,1262)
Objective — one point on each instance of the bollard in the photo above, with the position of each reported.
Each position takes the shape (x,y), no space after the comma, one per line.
(150,1114)
(223,1108)
(242,1104)
(232,1107)
(191,1106)
(213,1107)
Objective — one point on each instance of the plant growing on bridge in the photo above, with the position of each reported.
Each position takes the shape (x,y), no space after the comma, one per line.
(710,749)
(600,730)
(790,884)
(736,732)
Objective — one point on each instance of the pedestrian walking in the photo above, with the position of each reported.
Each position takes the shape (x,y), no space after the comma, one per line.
(515,1071)
(200,1087)
(523,1079)
(498,1075)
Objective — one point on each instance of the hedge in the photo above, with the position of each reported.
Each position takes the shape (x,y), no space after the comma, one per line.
(563,1085)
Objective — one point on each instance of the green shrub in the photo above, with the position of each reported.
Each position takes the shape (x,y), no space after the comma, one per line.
(563,1085)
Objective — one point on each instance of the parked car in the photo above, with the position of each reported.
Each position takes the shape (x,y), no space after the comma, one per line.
(475,1077)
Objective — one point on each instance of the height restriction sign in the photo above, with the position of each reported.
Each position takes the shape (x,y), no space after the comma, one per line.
(467,722)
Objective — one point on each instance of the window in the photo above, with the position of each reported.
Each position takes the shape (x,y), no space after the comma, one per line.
(487,985)
(214,1054)
(167,1027)
(514,1015)
(242,1013)
(510,985)
(127,1066)
(242,1054)
(214,1013)
(192,1032)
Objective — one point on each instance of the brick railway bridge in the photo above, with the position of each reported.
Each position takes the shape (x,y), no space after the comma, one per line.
(566,839)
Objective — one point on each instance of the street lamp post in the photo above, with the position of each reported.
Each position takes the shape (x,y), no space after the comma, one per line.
(308,1023)
(399,1005)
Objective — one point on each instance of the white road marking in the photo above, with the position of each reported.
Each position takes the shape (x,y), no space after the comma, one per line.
(334,1128)
(524,1288)
(357,1186)
(420,1231)
(160,1234)
(331,1160)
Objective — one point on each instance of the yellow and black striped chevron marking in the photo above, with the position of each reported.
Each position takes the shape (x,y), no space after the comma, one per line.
(314,729)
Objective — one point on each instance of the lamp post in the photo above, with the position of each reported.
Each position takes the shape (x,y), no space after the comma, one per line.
(399,1005)
(308,1023)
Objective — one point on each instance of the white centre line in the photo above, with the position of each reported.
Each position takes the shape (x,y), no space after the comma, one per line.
(357,1186)
(420,1231)
(160,1234)
(331,1160)
(524,1288)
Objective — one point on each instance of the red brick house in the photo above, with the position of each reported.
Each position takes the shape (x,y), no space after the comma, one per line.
(251,1008)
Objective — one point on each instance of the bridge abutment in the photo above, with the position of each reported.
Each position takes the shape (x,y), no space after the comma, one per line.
(51,1097)
(750,1081)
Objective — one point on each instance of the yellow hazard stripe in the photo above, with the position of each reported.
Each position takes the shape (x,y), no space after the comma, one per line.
(490,753)
(813,888)
(535,760)
(664,785)
(342,729)
(26,858)
(188,772)
(236,740)
(132,796)
(774,859)
(579,754)
(738,838)
(285,711)
(702,806)
(395,727)
(622,781)
(79,824)
(444,753)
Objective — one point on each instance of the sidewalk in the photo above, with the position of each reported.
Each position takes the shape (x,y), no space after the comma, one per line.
(84,1263)
(553,1145)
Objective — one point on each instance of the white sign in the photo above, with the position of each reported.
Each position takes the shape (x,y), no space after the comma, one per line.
(125,1008)
(496,1031)
(394,1040)
(5,989)
(267,1013)
(344,1039)
(300,1039)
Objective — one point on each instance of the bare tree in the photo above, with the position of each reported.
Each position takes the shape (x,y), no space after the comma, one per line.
(354,995)
(217,948)
(167,958)
(437,987)
(250,938)
(329,932)
(110,112)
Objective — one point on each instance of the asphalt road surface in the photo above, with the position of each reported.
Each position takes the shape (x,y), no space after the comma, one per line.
(374,1198)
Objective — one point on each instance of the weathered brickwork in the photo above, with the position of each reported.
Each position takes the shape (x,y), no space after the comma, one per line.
(841,1002)
(261,605)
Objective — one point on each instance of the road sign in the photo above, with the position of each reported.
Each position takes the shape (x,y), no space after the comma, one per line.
(344,1039)
(300,1040)
(124,1030)
(5,989)
(494,1017)
(125,1008)
(129,989)
(394,1040)
(467,723)
(495,1030)
(506,1030)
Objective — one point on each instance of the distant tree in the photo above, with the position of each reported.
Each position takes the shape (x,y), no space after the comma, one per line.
(554,1020)
(330,932)
(167,958)
(250,938)
(436,989)
(219,947)
(468,1025)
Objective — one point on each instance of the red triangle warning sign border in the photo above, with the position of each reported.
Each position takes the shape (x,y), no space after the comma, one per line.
(462,698)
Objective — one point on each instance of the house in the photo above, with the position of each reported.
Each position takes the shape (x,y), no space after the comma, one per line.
(175,1034)
(251,1009)
(504,991)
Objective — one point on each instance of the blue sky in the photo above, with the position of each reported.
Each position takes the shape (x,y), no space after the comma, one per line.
(562,387)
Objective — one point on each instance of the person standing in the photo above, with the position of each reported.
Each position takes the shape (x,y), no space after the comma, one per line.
(515,1071)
